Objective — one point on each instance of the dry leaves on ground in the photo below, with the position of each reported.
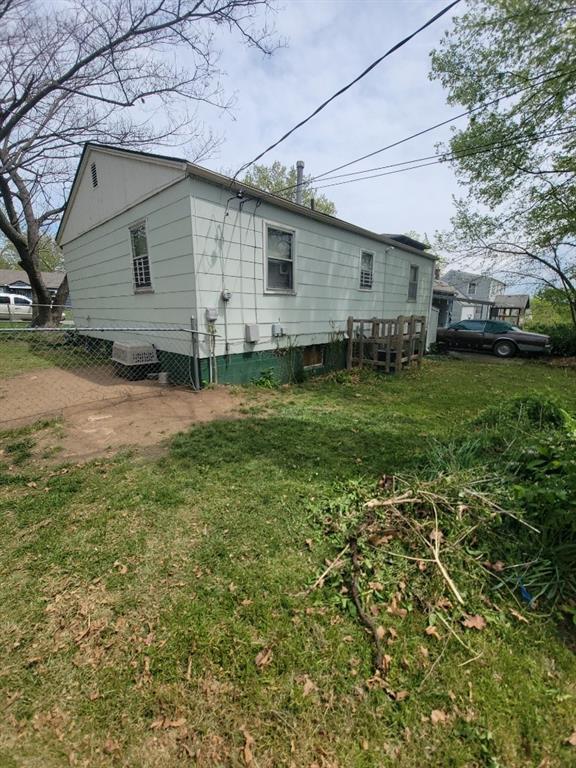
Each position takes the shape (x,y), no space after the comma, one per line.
(438,716)
(571,740)
(519,616)
(474,622)
(394,608)
(247,753)
(263,658)
(432,632)
(309,685)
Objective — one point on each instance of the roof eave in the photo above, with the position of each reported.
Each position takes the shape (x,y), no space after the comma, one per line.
(281,202)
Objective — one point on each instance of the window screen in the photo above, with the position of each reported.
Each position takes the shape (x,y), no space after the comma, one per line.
(366,269)
(280,260)
(140,258)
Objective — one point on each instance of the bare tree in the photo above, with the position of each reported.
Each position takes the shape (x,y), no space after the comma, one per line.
(112,71)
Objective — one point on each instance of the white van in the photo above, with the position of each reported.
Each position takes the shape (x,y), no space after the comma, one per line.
(15,307)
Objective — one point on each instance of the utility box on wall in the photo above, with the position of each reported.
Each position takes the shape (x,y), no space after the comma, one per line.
(251,333)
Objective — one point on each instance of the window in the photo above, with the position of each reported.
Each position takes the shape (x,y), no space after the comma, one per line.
(471,289)
(470,325)
(279,260)
(22,302)
(313,357)
(140,259)
(94,174)
(4,299)
(493,326)
(366,270)
(413,283)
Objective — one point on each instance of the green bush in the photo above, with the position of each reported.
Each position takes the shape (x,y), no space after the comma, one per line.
(526,411)
(562,338)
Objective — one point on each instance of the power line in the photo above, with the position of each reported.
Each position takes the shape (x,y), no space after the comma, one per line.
(455,155)
(349,85)
(426,130)
(438,161)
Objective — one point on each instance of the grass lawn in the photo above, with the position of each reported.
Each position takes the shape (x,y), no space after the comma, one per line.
(152,611)
(24,352)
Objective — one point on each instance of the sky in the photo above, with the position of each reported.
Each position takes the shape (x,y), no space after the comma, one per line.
(328,43)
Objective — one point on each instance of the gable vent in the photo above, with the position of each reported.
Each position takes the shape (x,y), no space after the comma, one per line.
(94,174)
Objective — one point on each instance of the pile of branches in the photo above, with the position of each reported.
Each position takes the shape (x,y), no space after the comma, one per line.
(415,543)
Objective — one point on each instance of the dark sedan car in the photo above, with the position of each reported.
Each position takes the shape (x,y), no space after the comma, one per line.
(502,339)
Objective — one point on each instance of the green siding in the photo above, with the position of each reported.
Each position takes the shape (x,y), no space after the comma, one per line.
(249,367)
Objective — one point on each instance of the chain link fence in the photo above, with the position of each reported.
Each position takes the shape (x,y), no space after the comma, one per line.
(46,370)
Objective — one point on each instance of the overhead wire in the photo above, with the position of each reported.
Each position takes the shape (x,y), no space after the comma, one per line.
(438,159)
(422,132)
(353,82)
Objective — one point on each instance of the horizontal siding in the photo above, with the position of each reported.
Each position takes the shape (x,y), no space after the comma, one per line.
(99,266)
(228,246)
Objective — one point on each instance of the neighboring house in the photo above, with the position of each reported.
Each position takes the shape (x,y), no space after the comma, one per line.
(474,295)
(17,281)
(513,308)
(148,238)
(443,300)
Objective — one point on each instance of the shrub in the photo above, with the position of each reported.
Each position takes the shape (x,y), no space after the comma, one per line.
(562,338)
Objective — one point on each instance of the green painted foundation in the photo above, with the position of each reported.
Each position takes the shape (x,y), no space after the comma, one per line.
(266,367)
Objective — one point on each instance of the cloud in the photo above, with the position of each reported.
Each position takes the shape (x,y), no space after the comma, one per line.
(329,43)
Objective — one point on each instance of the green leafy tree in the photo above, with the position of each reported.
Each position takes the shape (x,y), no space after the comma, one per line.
(281,179)
(49,254)
(516,158)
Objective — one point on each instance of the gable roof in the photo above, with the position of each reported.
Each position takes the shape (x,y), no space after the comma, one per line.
(512,301)
(457,274)
(51,280)
(235,186)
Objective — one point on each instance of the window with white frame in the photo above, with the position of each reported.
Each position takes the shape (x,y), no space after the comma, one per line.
(366,270)
(471,289)
(413,283)
(279,260)
(140,258)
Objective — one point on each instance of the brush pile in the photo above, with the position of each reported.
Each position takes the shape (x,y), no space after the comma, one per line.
(486,525)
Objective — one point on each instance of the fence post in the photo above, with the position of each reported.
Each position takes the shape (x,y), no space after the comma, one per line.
(412,339)
(399,343)
(350,332)
(194,328)
(423,332)
(375,336)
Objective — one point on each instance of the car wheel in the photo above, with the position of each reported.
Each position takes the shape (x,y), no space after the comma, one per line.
(504,349)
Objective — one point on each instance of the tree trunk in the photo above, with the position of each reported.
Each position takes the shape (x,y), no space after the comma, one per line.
(42,310)
(60,300)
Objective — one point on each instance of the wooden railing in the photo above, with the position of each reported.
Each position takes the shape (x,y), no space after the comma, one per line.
(386,344)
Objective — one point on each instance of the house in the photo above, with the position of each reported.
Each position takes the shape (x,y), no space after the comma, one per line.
(154,239)
(512,308)
(17,281)
(473,297)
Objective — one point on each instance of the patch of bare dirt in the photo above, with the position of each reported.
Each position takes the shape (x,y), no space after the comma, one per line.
(102,428)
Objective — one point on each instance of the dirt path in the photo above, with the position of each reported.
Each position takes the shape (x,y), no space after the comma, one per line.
(101,413)
(103,428)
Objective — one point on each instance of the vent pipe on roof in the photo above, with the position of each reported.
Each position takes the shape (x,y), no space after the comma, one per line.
(299,181)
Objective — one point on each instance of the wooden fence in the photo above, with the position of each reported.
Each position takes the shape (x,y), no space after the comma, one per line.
(388,345)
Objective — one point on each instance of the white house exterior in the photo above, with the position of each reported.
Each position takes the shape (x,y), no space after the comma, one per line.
(150,239)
